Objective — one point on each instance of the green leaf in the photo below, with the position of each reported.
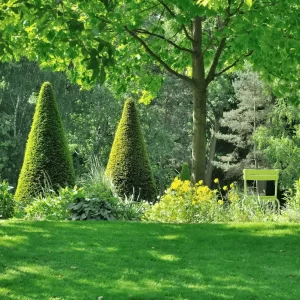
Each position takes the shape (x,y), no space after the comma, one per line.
(75,25)
(249,3)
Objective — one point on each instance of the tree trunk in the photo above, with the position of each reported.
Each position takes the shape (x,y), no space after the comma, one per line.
(199,105)
(199,134)
(212,151)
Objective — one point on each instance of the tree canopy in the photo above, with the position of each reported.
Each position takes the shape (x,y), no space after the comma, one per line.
(130,41)
(87,38)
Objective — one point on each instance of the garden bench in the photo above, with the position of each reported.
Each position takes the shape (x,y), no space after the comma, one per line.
(262,175)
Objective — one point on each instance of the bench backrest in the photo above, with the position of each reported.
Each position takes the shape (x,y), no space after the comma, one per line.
(261,175)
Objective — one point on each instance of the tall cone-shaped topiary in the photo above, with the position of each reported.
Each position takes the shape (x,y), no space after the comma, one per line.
(128,166)
(47,158)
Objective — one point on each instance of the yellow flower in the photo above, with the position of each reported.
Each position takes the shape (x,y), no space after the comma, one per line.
(225,188)
(220,202)
(175,184)
(200,182)
(193,202)
(232,185)
(186,186)
(216,180)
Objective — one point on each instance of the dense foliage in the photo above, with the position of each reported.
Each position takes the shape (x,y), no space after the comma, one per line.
(195,41)
(185,203)
(47,158)
(128,166)
(185,173)
(278,141)
(6,201)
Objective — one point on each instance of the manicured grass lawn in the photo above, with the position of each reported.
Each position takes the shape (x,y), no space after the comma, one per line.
(85,260)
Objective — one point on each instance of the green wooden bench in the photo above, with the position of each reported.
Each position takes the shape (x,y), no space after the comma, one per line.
(262,175)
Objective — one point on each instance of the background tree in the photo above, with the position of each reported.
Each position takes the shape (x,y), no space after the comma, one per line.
(47,158)
(253,103)
(89,117)
(220,99)
(208,38)
(279,141)
(128,165)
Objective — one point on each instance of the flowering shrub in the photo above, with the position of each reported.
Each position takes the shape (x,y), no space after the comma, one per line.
(184,203)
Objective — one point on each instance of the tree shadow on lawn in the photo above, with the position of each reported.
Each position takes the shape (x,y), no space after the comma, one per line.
(84,260)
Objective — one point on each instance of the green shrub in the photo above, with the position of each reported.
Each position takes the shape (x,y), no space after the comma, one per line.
(6,201)
(185,173)
(128,165)
(185,203)
(47,157)
(291,212)
(53,206)
(91,209)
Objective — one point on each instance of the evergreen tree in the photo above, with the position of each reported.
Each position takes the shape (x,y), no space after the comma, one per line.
(128,165)
(185,173)
(47,158)
(238,125)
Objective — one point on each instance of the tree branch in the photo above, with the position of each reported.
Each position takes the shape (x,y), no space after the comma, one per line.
(188,36)
(143,31)
(167,8)
(212,70)
(156,57)
(233,64)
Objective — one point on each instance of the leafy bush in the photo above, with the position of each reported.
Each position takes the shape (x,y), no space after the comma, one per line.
(91,209)
(47,155)
(128,166)
(185,173)
(6,201)
(291,212)
(184,203)
(53,206)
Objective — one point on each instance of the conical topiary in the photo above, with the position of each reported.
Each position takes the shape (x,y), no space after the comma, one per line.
(47,158)
(128,166)
(185,173)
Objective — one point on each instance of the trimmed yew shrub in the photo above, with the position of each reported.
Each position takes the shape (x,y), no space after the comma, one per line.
(128,166)
(47,158)
(185,173)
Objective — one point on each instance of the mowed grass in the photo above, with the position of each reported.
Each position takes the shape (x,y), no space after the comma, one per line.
(119,260)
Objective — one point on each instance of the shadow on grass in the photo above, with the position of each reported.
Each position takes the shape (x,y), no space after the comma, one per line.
(85,260)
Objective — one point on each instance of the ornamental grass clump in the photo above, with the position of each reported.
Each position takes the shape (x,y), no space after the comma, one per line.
(237,207)
(47,158)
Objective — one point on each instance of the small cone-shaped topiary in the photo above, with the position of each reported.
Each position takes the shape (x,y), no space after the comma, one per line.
(128,166)
(47,157)
(185,173)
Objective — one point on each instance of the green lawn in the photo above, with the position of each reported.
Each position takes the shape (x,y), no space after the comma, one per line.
(85,260)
